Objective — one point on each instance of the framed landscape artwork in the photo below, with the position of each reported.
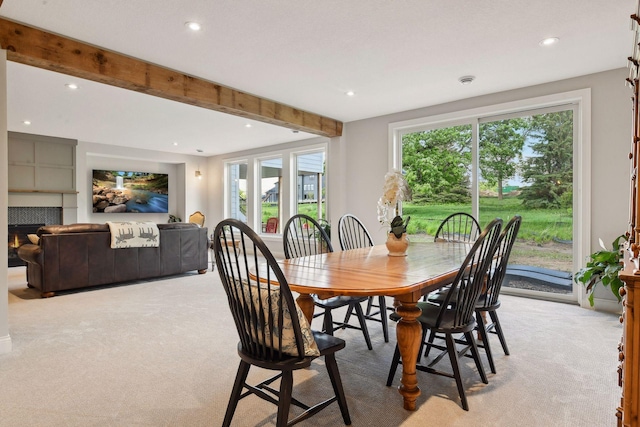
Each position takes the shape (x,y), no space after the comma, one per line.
(130,192)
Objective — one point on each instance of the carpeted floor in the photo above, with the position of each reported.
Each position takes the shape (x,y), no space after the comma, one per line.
(163,353)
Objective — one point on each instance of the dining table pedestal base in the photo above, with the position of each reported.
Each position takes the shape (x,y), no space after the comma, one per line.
(306,304)
(409,334)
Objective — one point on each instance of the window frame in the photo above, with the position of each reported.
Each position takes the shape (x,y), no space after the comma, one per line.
(288,196)
(294,183)
(581,101)
(227,186)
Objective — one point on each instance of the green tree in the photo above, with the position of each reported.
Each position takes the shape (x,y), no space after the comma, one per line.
(501,144)
(550,169)
(436,164)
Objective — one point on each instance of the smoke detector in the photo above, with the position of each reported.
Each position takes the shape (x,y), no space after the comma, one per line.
(466,80)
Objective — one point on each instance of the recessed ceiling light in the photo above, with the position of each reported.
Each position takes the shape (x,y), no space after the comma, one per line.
(72,86)
(295,131)
(466,80)
(350,93)
(549,41)
(199,150)
(194,26)
(175,143)
(26,122)
(248,125)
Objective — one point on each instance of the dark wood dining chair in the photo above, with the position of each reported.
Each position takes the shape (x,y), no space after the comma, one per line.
(304,236)
(489,301)
(455,316)
(458,227)
(274,334)
(352,234)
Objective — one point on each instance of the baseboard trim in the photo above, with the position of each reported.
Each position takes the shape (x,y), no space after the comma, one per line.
(5,344)
(607,305)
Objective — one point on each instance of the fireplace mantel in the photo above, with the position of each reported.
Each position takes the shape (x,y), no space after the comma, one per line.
(66,200)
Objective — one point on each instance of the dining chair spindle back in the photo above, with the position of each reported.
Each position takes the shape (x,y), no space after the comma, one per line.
(489,301)
(352,234)
(274,334)
(304,236)
(458,227)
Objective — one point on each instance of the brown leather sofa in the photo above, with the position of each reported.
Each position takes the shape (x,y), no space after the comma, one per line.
(80,255)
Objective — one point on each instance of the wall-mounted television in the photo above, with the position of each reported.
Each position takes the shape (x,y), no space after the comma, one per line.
(130,192)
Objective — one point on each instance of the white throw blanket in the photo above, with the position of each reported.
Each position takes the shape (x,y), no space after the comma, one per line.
(132,234)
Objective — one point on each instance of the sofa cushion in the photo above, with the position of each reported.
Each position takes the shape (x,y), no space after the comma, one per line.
(72,228)
(177,226)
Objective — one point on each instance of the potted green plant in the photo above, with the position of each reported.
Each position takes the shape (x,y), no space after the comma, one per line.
(399,226)
(326,227)
(395,190)
(603,267)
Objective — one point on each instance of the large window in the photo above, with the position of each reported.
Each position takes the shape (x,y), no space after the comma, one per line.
(267,188)
(526,161)
(310,192)
(237,190)
(437,165)
(270,190)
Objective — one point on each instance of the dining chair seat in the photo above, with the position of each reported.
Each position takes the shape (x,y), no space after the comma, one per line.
(336,302)
(353,304)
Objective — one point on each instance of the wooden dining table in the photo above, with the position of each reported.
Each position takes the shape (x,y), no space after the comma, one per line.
(372,272)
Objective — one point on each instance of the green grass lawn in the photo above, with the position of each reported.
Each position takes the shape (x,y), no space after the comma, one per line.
(538,225)
(535,245)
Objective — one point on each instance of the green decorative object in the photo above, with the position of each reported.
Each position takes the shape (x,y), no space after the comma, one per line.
(399,226)
(603,267)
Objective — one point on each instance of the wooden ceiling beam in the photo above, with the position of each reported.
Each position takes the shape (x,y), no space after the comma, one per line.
(32,46)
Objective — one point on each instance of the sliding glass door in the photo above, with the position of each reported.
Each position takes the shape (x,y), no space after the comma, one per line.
(501,166)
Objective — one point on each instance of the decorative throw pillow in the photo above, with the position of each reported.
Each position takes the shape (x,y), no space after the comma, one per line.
(134,234)
(33,238)
(288,337)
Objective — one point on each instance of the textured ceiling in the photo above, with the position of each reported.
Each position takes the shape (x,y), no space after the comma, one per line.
(396,55)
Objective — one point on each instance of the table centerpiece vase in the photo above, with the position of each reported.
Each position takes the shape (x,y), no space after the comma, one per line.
(397,246)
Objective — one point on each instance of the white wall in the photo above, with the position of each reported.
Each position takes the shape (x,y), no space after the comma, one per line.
(5,338)
(187,194)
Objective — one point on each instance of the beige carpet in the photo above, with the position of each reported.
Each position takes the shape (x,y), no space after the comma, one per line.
(162,353)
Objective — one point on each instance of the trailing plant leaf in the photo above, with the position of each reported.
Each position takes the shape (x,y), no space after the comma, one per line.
(603,267)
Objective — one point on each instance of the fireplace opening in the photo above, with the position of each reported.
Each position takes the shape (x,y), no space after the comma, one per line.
(17,237)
